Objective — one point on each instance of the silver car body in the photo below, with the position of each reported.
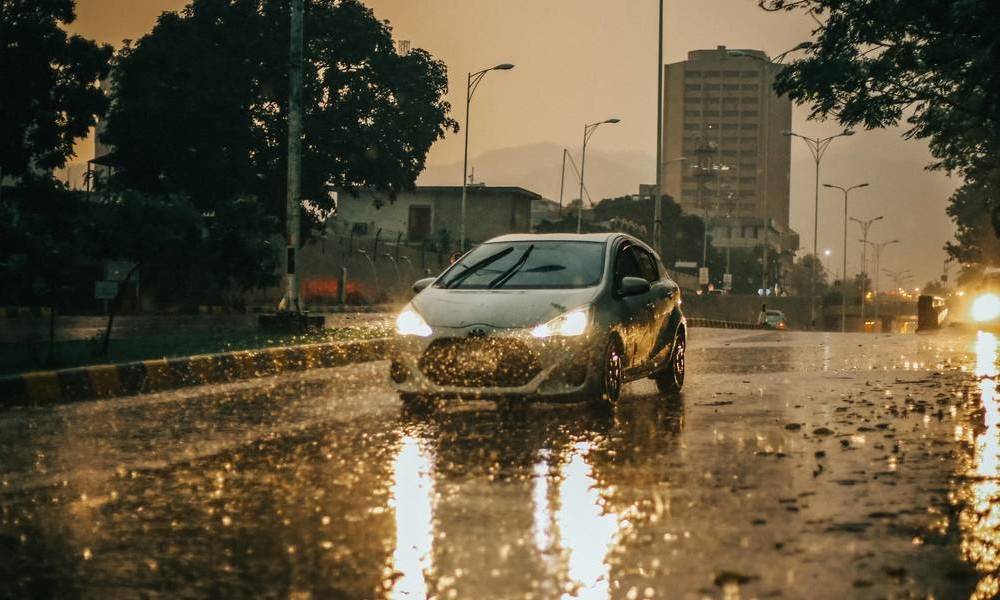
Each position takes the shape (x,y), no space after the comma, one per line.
(473,329)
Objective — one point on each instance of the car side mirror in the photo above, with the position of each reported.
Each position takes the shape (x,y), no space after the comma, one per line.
(633,286)
(420,284)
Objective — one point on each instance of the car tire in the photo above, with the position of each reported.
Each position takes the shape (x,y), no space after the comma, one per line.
(610,375)
(670,380)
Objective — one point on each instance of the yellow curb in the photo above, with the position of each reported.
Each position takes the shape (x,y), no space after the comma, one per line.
(201,368)
(42,387)
(244,365)
(105,381)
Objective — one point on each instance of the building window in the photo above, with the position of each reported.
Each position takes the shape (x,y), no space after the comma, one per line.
(692,86)
(692,99)
(749,126)
(692,113)
(729,126)
(749,100)
(730,87)
(749,87)
(711,113)
(749,113)
(359,228)
(748,140)
(748,74)
(690,126)
(694,74)
(732,73)
(420,223)
(712,86)
(730,113)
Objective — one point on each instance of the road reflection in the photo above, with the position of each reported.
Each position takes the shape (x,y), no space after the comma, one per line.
(412,500)
(523,500)
(979,518)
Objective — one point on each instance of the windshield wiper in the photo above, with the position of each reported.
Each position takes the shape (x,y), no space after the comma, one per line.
(457,279)
(506,275)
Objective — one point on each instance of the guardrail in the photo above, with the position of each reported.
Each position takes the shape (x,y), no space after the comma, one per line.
(719,324)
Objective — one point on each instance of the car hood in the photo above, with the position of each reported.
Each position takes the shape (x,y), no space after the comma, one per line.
(497,308)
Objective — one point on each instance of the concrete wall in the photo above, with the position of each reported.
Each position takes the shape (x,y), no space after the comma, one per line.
(746,308)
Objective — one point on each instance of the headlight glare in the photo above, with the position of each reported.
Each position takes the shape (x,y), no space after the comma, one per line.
(986,308)
(568,324)
(409,322)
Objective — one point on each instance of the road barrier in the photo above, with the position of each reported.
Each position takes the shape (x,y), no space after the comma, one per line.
(717,324)
(64,386)
(11,312)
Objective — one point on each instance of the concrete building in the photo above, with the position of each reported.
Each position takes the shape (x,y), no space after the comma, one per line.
(721,114)
(434,212)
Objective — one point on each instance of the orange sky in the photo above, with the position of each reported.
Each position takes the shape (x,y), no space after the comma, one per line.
(584,60)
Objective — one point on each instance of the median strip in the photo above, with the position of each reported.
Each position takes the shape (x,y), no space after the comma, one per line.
(64,386)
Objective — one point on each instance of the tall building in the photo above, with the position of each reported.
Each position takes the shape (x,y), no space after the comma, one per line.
(722,117)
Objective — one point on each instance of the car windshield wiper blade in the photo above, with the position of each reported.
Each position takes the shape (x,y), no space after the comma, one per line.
(506,275)
(457,279)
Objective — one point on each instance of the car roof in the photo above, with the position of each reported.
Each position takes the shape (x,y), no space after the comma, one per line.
(555,237)
(774,311)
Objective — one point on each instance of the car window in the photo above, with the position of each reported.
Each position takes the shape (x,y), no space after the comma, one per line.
(647,266)
(626,265)
(532,264)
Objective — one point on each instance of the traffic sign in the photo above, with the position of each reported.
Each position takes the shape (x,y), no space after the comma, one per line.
(685,264)
(727,281)
(703,276)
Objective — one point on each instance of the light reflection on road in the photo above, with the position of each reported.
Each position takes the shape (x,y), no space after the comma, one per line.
(586,529)
(979,519)
(413,501)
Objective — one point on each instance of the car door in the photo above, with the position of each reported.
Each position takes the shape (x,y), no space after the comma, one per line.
(663,294)
(637,311)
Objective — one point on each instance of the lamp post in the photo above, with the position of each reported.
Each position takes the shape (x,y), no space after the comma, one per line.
(470,89)
(818,147)
(588,130)
(864,260)
(843,280)
(878,248)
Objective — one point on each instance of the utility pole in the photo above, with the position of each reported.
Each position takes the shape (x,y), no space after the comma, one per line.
(878,248)
(843,281)
(657,198)
(294,186)
(562,182)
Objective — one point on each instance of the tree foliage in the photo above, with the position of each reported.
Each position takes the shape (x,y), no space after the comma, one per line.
(200,104)
(928,63)
(50,95)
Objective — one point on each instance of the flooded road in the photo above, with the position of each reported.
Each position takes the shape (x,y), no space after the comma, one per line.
(795,465)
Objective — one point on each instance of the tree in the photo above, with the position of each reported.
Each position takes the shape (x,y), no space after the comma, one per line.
(50,97)
(975,212)
(934,288)
(930,63)
(215,76)
(798,280)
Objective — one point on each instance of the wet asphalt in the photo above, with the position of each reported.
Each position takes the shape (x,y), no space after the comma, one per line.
(795,465)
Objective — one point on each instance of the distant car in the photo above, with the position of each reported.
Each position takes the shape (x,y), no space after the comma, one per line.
(554,316)
(775,319)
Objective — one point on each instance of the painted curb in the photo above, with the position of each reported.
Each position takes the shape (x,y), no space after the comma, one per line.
(66,386)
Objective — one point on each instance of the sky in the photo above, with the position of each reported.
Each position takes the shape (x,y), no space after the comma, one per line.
(580,61)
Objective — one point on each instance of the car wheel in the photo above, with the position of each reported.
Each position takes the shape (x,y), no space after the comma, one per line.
(671,379)
(612,375)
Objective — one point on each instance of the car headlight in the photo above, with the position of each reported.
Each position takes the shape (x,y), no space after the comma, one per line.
(986,308)
(409,322)
(568,324)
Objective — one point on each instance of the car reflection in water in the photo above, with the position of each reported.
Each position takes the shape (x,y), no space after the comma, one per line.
(528,499)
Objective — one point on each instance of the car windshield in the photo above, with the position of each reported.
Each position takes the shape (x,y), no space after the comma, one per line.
(528,265)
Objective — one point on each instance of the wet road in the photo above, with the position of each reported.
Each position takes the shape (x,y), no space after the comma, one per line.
(795,465)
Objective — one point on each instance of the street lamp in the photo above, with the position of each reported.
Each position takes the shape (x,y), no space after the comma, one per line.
(864,259)
(843,280)
(818,147)
(878,247)
(588,130)
(470,89)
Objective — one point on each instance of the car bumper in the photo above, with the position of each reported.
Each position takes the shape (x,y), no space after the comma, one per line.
(505,363)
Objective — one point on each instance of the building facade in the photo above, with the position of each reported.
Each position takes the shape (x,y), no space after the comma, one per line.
(435,212)
(722,117)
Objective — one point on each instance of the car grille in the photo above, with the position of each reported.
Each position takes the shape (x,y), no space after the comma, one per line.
(479,362)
